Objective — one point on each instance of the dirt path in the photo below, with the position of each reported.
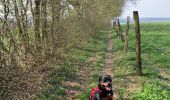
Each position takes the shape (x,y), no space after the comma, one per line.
(108,57)
(107,69)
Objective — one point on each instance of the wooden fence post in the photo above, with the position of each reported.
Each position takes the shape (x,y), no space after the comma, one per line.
(138,43)
(126,34)
(116,27)
(120,30)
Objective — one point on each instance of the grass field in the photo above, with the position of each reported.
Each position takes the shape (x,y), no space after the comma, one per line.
(155,82)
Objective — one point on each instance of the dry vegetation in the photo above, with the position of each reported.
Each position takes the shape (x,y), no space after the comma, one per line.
(37,36)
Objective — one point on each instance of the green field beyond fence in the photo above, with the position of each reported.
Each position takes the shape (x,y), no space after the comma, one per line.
(155,82)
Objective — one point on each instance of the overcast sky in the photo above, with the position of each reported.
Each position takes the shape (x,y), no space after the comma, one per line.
(148,8)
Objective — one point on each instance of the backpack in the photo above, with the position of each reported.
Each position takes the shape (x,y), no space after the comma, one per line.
(93,91)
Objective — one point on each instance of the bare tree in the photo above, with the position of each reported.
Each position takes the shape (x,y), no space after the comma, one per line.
(43,33)
(45,36)
(37,24)
(21,18)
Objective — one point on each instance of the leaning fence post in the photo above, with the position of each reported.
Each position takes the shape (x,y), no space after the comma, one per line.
(116,27)
(138,43)
(120,30)
(126,34)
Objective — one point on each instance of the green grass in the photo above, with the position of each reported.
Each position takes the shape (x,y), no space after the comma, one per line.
(68,71)
(155,47)
(152,91)
(100,40)
(153,85)
(156,43)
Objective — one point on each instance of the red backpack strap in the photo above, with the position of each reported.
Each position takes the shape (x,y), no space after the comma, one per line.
(93,91)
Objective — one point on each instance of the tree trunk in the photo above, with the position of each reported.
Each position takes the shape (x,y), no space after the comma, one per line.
(4,31)
(45,37)
(22,30)
(55,21)
(37,25)
(32,10)
(24,24)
